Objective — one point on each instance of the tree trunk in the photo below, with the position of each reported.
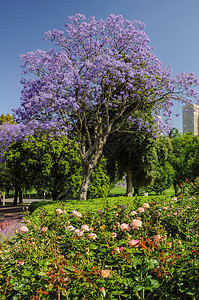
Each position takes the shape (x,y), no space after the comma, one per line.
(84,186)
(15,196)
(20,196)
(129,184)
(88,167)
(87,170)
(129,177)
(136,192)
(54,194)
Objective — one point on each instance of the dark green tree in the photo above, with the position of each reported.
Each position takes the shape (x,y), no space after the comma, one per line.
(183,158)
(164,170)
(19,172)
(51,165)
(132,152)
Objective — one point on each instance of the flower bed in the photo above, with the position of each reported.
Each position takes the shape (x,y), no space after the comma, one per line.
(141,249)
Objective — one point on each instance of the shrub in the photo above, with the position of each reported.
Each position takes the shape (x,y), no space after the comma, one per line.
(137,248)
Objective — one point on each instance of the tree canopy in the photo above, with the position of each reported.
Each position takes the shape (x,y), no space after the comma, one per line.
(184,157)
(102,72)
(6,119)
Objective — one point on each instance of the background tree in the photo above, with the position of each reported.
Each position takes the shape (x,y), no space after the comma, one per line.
(5,182)
(102,72)
(6,119)
(163,169)
(133,151)
(183,157)
(18,170)
(51,166)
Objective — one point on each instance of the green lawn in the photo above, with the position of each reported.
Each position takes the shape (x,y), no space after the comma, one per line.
(120,191)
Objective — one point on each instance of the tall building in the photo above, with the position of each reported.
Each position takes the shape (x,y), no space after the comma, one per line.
(190,118)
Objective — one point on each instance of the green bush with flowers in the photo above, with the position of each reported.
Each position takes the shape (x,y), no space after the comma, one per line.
(116,248)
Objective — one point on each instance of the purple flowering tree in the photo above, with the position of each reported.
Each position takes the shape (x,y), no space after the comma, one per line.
(101,73)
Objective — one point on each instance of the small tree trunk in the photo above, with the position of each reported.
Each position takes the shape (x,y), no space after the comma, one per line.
(136,192)
(15,196)
(20,196)
(129,184)
(129,177)
(54,194)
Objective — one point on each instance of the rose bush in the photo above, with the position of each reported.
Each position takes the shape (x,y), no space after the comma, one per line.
(106,252)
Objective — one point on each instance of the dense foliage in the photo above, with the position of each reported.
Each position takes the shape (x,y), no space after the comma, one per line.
(120,248)
(50,165)
(184,158)
(6,119)
(132,152)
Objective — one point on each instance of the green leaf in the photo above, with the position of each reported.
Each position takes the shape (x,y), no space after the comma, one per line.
(139,288)
(26,273)
(93,246)
(152,263)
(42,274)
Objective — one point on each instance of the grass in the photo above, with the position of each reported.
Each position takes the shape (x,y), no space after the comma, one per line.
(117,191)
(121,190)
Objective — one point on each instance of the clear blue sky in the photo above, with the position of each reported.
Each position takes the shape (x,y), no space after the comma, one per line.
(172,26)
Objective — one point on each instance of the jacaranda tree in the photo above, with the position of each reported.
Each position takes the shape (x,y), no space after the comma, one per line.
(102,71)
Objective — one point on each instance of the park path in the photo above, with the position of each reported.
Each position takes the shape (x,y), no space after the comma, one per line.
(12,212)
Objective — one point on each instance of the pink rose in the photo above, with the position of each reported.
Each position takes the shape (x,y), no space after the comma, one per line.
(125,226)
(119,250)
(134,243)
(20,262)
(146,205)
(78,232)
(23,229)
(85,228)
(92,236)
(136,224)
(69,228)
(133,213)
(140,209)
(105,273)
(44,229)
(114,234)
(59,211)
(77,214)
